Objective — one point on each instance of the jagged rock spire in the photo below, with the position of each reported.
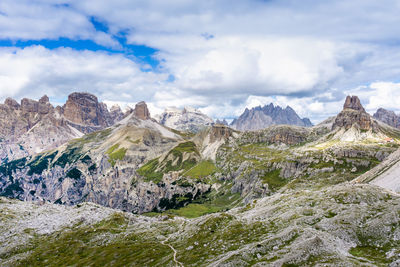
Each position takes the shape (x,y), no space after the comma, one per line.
(353,113)
(353,102)
(141,111)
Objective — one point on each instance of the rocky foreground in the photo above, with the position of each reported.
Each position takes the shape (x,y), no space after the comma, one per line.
(341,225)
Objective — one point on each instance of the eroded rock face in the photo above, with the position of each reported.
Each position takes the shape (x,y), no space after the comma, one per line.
(141,111)
(219,132)
(388,117)
(11,103)
(262,117)
(279,134)
(29,105)
(34,126)
(353,102)
(116,113)
(85,109)
(353,114)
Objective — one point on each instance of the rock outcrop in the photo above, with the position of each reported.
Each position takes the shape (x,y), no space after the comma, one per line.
(116,113)
(261,117)
(34,126)
(388,117)
(353,102)
(141,111)
(277,134)
(188,119)
(85,109)
(353,114)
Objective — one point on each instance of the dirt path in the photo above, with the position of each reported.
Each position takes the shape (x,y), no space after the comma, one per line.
(177,263)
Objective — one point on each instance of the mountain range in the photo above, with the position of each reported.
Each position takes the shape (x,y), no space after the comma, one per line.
(167,192)
(33,126)
(261,117)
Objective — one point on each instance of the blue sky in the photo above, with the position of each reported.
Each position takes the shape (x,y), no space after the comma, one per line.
(219,56)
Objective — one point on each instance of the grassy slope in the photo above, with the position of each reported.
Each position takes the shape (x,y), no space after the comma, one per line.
(154,169)
(302,228)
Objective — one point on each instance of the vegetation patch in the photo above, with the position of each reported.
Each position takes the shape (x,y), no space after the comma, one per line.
(12,190)
(177,201)
(202,169)
(92,168)
(40,163)
(69,156)
(115,154)
(173,161)
(74,174)
(81,246)
(376,255)
(149,171)
(209,203)
(7,169)
(274,180)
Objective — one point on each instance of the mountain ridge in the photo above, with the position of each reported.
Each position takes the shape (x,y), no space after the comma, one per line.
(261,117)
(34,126)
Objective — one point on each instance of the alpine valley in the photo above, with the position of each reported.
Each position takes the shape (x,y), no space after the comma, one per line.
(84,185)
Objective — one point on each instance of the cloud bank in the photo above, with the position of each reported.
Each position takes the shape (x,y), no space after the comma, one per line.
(219,56)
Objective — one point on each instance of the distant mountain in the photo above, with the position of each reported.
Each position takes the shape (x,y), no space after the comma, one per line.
(223,122)
(388,117)
(261,117)
(189,119)
(34,126)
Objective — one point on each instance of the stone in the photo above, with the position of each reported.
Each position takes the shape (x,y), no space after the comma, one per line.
(44,99)
(84,108)
(12,103)
(388,117)
(141,111)
(353,102)
(116,113)
(353,114)
(29,105)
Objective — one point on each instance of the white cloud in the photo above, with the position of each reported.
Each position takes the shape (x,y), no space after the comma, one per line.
(224,55)
(34,71)
(36,20)
(261,66)
(380,95)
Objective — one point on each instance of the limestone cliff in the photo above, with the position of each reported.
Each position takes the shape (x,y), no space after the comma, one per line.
(34,126)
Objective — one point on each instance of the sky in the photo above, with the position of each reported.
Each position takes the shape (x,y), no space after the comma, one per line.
(219,56)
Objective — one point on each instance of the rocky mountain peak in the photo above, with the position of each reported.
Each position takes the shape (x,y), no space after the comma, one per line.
(223,122)
(353,114)
(85,109)
(388,117)
(29,105)
(261,117)
(141,111)
(44,99)
(353,102)
(12,103)
(116,113)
